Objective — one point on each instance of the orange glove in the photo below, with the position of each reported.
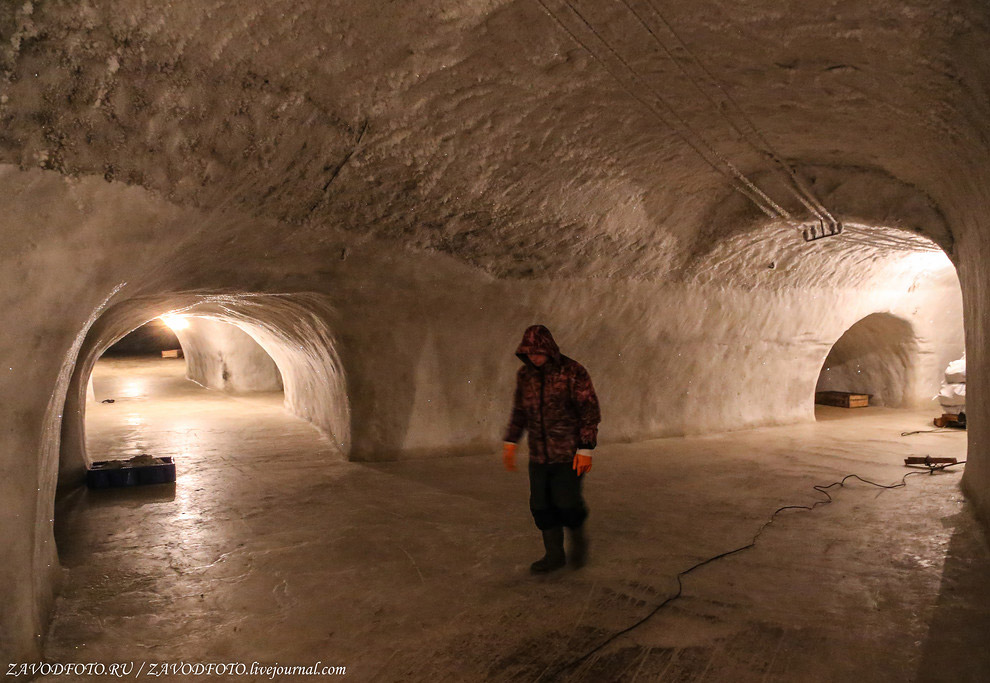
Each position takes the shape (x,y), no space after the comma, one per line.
(509,456)
(582,462)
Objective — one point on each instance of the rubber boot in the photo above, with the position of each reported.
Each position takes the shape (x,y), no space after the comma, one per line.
(553,542)
(579,547)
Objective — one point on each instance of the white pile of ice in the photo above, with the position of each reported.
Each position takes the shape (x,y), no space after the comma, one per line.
(956,372)
(952,397)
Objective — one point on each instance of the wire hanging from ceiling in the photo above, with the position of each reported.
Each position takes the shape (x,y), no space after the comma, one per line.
(889,239)
(793,182)
(886,239)
(828,225)
(697,142)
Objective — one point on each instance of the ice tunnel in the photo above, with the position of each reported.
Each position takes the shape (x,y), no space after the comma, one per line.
(717,208)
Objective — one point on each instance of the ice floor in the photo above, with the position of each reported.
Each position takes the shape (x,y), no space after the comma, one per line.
(270,548)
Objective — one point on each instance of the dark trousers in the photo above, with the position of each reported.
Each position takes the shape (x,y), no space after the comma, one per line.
(555,496)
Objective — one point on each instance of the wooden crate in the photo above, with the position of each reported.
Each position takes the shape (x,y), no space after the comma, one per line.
(172,353)
(951,420)
(842,399)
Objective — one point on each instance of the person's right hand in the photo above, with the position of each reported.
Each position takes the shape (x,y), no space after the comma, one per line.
(509,456)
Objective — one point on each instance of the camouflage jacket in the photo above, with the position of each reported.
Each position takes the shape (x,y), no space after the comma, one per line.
(555,404)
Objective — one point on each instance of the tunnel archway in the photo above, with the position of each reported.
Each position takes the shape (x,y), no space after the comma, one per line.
(293,330)
(877,356)
(222,356)
(223,439)
(180,389)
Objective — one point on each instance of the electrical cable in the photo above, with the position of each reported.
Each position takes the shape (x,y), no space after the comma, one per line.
(854,238)
(904,241)
(890,235)
(803,192)
(783,213)
(756,131)
(892,242)
(820,488)
(749,132)
(748,188)
(796,186)
(799,190)
(933,431)
(780,212)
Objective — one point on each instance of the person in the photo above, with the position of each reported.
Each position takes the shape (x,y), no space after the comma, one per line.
(556,405)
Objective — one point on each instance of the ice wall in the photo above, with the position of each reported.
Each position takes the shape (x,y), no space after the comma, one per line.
(421,347)
(221,356)
(388,195)
(974,253)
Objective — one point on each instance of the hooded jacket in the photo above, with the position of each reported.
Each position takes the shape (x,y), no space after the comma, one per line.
(555,404)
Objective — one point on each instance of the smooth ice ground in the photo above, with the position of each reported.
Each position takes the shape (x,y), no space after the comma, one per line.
(270,548)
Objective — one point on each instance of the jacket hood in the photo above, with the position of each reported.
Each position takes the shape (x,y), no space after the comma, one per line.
(537,339)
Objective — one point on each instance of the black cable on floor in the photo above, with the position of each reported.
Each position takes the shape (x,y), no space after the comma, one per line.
(933,431)
(821,488)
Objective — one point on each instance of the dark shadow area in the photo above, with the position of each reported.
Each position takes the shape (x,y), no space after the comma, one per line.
(150,339)
(71,504)
(831,413)
(956,647)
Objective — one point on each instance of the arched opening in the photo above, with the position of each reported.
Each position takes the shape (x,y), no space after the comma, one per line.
(220,355)
(168,383)
(257,380)
(236,344)
(876,357)
(895,355)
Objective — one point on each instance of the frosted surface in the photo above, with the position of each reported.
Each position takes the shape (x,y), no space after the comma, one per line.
(384,196)
(220,356)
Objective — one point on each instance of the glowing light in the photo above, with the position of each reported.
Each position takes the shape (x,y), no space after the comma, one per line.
(175,322)
(132,389)
(930,261)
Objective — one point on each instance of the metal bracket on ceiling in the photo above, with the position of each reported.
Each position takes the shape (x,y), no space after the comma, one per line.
(821,230)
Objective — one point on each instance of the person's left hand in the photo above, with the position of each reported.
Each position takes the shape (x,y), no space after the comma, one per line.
(582,462)
(509,456)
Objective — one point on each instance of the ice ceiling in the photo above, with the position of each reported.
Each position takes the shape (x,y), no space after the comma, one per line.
(527,138)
